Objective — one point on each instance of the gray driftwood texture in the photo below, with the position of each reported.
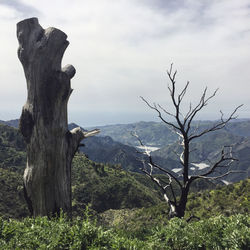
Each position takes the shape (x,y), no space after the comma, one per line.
(44,123)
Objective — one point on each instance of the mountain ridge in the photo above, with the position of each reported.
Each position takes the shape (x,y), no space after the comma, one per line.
(105,149)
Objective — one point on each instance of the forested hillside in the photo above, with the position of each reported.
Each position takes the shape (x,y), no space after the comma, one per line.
(128,208)
(101,186)
(104,186)
(116,145)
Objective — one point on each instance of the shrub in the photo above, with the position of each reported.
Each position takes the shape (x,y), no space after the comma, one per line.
(215,233)
(60,233)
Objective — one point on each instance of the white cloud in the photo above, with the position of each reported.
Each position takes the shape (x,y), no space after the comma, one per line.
(19,7)
(122,48)
(7,13)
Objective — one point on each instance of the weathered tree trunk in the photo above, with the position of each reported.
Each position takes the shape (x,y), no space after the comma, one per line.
(43,123)
(181,207)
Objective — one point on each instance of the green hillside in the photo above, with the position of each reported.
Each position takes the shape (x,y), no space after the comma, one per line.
(100,186)
(107,187)
(152,133)
(116,209)
(12,203)
(224,224)
(106,150)
(222,200)
(12,149)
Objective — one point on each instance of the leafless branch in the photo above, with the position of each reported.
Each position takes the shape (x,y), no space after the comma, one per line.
(170,70)
(217,126)
(192,217)
(172,94)
(217,177)
(161,185)
(152,164)
(202,103)
(159,114)
(226,159)
(182,94)
(188,113)
(168,113)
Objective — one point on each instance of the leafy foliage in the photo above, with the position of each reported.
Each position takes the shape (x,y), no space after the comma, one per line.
(102,186)
(135,222)
(12,149)
(226,200)
(213,233)
(59,233)
(107,187)
(12,203)
(130,215)
(223,200)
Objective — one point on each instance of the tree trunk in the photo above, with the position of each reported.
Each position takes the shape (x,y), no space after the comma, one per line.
(181,208)
(43,123)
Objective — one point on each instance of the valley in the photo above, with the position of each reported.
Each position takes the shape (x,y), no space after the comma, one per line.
(164,144)
(116,145)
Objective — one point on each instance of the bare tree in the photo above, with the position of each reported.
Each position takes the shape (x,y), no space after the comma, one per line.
(183,127)
(44,122)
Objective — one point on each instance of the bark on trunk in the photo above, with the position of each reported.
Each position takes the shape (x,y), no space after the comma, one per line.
(43,123)
(181,208)
(178,210)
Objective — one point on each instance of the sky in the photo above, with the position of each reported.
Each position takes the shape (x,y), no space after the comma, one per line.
(121,50)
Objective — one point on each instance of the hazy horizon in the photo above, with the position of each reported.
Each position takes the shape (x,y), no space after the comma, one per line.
(131,122)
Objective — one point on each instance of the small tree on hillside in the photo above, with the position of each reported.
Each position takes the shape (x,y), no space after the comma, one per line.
(183,127)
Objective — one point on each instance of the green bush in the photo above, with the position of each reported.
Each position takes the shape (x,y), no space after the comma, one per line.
(226,200)
(59,233)
(215,233)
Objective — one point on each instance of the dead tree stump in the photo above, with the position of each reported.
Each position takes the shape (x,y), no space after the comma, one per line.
(44,122)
